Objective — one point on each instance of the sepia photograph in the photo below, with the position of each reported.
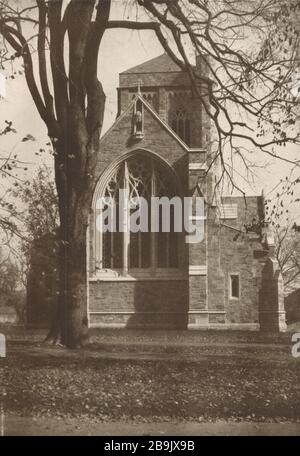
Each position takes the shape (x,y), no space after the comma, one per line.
(149,220)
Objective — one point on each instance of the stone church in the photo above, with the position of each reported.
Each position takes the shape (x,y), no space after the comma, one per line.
(161,145)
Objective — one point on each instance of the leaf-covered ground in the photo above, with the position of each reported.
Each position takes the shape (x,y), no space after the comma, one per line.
(154,376)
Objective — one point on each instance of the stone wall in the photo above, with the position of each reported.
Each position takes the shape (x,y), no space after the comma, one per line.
(138,303)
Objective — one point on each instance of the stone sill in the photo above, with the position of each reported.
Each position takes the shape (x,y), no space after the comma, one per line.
(206,311)
(226,327)
(132,312)
(135,277)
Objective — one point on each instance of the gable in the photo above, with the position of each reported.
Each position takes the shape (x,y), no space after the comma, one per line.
(158,138)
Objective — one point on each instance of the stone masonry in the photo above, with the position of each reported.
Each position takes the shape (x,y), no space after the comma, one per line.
(230,279)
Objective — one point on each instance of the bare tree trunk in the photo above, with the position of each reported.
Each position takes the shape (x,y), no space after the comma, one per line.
(73,286)
(70,323)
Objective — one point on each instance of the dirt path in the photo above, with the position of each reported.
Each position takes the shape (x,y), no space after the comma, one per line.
(278,352)
(14,426)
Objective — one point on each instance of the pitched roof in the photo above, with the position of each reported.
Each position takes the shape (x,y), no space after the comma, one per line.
(156,116)
(161,64)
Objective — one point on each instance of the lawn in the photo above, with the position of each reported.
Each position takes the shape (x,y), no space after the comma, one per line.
(154,376)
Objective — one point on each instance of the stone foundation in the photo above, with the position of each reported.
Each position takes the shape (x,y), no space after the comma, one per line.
(138,304)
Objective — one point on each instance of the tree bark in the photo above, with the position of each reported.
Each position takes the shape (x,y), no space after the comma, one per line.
(70,323)
(75,191)
(73,280)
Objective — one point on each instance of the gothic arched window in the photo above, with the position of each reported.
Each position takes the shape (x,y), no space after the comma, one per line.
(126,250)
(181,125)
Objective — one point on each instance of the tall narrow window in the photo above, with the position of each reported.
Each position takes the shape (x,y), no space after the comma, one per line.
(130,249)
(181,125)
(234,286)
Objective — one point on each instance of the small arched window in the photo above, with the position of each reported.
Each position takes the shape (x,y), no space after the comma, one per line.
(127,251)
(181,124)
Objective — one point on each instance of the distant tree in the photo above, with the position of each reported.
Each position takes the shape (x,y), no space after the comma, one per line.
(37,208)
(9,276)
(282,214)
(288,256)
(40,214)
(11,293)
(29,228)
(8,164)
(34,212)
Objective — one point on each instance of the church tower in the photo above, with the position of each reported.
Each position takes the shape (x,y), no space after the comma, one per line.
(168,90)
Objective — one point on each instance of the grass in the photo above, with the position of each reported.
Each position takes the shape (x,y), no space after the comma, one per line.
(154,376)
